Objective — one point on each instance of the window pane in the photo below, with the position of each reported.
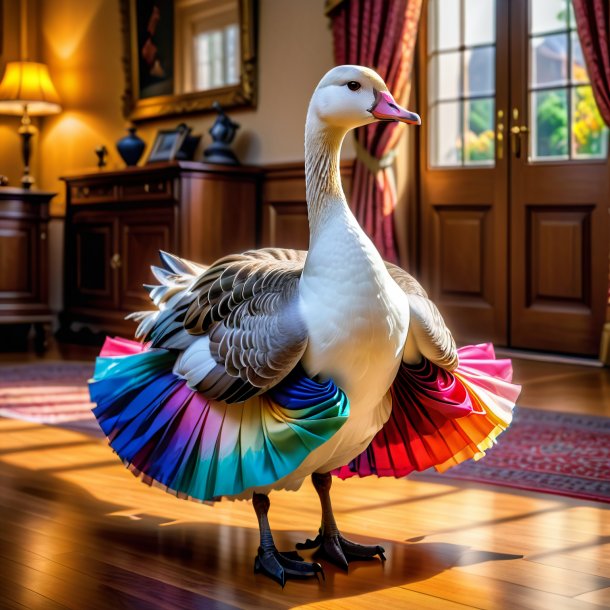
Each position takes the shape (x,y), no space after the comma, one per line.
(447,24)
(480,18)
(445,134)
(548,16)
(550,128)
(448,75)
(589,134)
(479,147)
(232,54)
(549,60)
(480,69)
(579,68)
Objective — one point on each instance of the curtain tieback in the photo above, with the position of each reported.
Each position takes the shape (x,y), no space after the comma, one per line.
(373,164)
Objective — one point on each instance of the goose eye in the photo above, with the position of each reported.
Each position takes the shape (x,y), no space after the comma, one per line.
(353,85)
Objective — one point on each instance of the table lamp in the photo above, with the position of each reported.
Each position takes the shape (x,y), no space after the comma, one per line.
(26,89)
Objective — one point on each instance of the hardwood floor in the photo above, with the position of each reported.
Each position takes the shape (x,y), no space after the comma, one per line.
(77,530)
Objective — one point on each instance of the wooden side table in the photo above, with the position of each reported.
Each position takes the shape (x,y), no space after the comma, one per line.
(24,217)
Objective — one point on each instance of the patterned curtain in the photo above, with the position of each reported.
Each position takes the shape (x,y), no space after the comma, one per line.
(379,34)
(593,22)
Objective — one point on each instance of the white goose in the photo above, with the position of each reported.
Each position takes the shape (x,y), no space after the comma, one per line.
(273,365)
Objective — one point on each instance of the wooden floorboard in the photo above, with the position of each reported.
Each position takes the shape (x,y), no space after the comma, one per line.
(78,531)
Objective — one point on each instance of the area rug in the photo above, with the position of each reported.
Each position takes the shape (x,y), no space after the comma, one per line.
(543,451)
(47,393)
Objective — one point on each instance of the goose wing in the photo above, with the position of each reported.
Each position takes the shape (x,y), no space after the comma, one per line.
(434,340)
(237,322)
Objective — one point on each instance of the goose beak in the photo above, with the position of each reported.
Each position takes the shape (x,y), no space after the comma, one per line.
(385,108)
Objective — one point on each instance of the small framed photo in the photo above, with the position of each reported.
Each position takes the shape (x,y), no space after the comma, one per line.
(167,144)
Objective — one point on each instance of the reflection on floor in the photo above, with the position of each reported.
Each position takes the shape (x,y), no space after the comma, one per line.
(79,531)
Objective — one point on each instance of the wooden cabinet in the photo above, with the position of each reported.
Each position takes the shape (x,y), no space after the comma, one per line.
(24,217)
(116,223)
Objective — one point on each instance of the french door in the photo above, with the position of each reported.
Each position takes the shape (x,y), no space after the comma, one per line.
(514,175)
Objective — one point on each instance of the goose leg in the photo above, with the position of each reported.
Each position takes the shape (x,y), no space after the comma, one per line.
(332,545)
(269,561)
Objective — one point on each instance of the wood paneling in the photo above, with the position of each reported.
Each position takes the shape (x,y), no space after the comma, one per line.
(461,237)
(284,215)
(286,225)
(462,260)
(559,248)
(219,215)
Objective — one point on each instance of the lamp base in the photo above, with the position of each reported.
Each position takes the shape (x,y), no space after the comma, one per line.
(26,131)
(27,182)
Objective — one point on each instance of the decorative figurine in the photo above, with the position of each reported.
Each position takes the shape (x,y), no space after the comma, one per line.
(101,152)
(222,131)
(274,365)
(131,147)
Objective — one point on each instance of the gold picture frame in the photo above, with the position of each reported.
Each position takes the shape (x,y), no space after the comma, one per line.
(242,95)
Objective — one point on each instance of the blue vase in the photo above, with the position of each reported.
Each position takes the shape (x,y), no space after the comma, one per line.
(131,147)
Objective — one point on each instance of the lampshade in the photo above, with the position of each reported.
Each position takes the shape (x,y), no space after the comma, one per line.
(28,83)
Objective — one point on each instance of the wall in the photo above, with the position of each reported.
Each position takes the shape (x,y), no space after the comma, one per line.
(82,43)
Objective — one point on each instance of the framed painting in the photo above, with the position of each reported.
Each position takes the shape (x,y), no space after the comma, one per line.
(181,56)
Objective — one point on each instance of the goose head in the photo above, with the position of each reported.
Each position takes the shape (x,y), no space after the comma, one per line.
(352,96)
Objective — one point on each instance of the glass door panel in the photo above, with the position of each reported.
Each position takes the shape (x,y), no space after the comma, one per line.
(565,121)
(461,82)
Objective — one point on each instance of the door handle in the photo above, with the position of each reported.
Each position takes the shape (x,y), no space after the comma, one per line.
(517,133)
(116,262)
(500,135)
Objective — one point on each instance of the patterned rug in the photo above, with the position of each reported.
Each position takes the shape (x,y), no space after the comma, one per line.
(560,453)
(543,451)
(47,393)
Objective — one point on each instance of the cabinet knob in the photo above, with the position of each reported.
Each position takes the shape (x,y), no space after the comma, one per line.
(147,188)
(43,236)
(86,191)
(115,261)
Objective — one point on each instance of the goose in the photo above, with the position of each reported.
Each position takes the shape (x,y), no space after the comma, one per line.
(274,365)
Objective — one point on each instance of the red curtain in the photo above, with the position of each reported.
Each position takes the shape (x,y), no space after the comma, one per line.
(379,34)
(593,22)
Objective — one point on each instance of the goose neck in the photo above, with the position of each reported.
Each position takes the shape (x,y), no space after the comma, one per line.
(325,196)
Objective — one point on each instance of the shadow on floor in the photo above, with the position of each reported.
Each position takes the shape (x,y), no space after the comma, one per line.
(85,556)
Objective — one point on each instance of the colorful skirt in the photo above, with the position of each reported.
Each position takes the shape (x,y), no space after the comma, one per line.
(201,449)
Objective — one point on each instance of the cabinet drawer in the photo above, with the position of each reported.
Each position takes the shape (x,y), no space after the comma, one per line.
(93,193)
(147,190)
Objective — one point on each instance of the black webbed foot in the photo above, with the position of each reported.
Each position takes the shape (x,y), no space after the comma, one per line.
(282,566)
(341,551)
